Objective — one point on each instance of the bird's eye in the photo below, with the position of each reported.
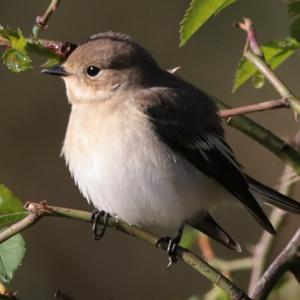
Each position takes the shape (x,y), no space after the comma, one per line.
(92,71)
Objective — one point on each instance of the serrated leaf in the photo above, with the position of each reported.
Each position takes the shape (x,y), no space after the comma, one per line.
(15,36)
(226,3)
(16,57)
(17,60)
(294,9)
(11,208)
(9,32)
(275,52)
(198,12)
(12,253)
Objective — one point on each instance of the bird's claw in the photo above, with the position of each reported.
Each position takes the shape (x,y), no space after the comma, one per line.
(98,233)
(171,249)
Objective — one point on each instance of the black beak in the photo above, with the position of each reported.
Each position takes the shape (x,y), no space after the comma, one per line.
(56,70)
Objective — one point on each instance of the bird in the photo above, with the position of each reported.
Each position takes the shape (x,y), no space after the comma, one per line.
(145,146)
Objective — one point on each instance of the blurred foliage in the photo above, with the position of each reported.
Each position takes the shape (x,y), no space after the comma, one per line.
(287,289)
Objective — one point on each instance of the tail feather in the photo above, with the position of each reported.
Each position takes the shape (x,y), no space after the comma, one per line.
(273,197)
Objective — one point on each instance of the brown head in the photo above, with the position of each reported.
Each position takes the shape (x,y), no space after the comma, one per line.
(107,64)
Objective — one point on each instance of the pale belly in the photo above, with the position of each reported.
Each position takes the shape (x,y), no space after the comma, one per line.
(122,168)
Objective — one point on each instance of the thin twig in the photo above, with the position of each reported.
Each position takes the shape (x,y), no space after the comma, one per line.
(40,210)
(262,106)
(279,267)
(265,137)
(41,22)
(17,227)
(251,54)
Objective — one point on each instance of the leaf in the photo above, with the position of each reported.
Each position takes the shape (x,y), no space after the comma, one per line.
(51,62)
(294,9)
(275,52)
(189,237)
(11,208)
(16,60)
(198,12)
(258,80)
(226,3)
(16,57)
(12,253)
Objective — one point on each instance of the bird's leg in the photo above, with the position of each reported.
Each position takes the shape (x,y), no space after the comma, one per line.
(98,233)
(172,244)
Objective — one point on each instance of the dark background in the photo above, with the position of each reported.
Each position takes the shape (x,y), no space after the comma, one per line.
(33,117)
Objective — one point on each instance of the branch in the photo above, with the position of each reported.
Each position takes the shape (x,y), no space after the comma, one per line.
(37,211)
(252,54)
(280,265)
(265,245)
(265,137)
(262,106)
(41,22)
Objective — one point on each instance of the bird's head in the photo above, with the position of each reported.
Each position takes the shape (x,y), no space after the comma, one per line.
(105,65)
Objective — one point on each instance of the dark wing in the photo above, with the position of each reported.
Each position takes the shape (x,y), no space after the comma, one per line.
(186,120)
(206,224)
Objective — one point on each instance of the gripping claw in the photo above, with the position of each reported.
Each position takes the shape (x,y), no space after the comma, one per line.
(98,233)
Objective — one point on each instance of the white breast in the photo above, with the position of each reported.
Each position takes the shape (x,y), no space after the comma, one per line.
(121,166)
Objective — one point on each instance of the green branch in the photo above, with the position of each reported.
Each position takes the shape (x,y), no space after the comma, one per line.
(265,137)
(37,211)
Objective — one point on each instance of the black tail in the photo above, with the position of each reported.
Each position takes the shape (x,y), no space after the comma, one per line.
(273,197)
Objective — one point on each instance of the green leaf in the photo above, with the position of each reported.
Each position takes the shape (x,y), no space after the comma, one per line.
(294,9)
(198,12)
(16,60)
(51,62)
(189,237)
(12,253)
(16,57)
(226,3)
(258,80)
(11,208)
(275,52)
